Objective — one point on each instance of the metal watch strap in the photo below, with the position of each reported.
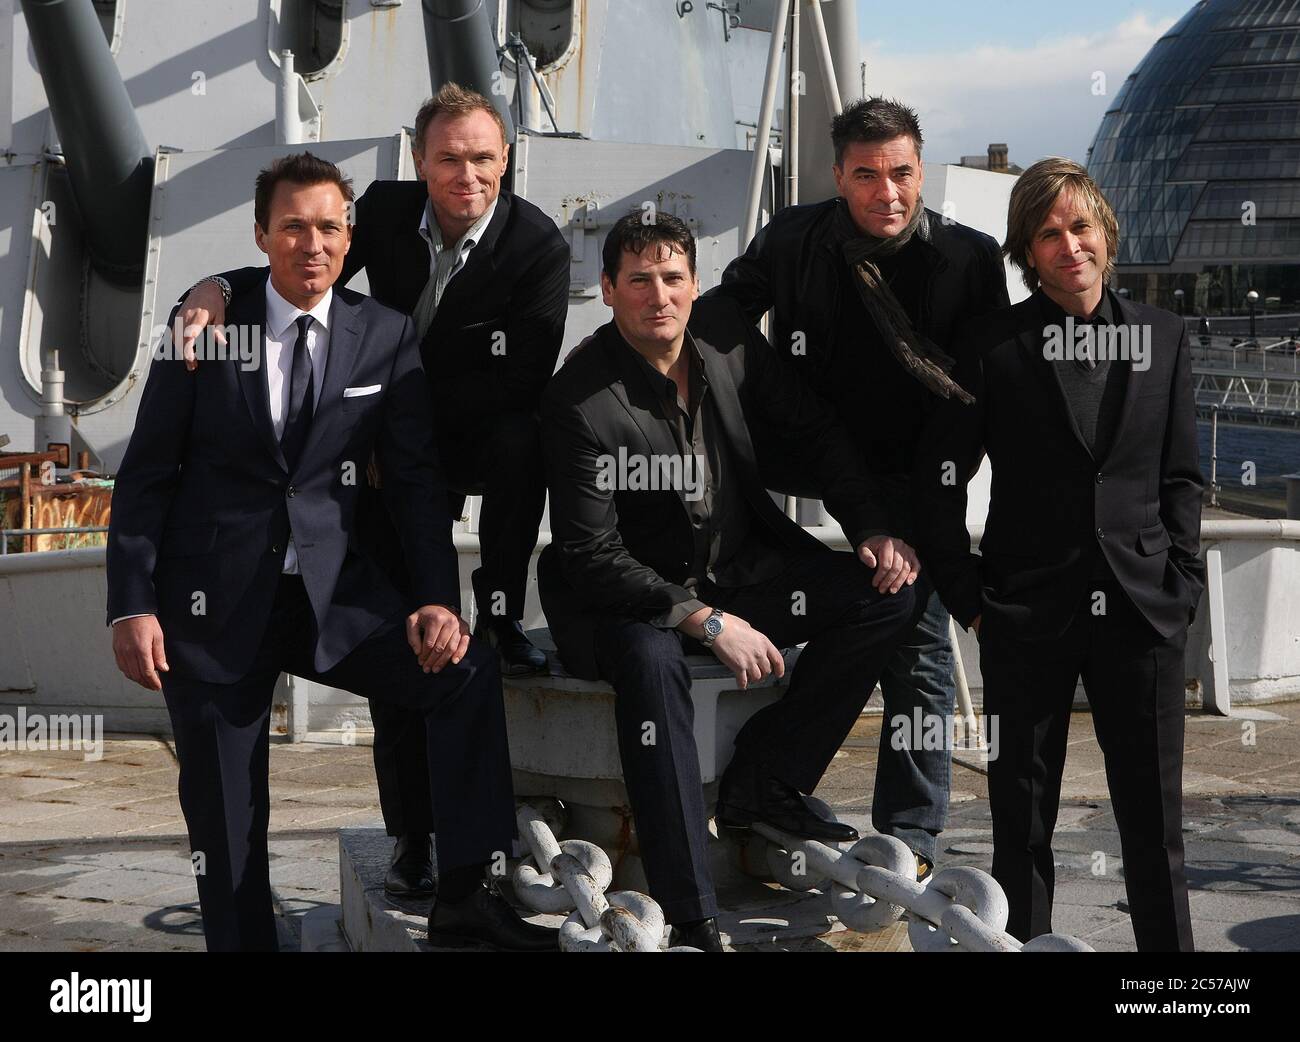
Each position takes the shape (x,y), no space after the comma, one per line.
(219,282)
(708,640)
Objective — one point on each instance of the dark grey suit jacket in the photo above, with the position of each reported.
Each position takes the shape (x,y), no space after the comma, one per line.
(1053,504)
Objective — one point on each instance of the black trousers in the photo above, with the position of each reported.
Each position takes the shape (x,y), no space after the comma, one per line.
(222,744)
(823,598)
(501,459)
(1135,685)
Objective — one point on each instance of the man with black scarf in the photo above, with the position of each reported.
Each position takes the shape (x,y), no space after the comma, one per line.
(866,291)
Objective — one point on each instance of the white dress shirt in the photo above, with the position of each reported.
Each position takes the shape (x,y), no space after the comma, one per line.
(444,262)
(280,335)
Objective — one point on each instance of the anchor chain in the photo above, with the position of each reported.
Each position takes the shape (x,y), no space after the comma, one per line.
(572,876)
(874,883)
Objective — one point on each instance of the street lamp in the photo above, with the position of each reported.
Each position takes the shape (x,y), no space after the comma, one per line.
(1178,300)
(1252,299)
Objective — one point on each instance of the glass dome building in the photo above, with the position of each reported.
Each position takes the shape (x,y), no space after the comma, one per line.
(1199,153)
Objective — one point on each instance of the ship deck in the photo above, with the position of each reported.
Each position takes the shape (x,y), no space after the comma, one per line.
(94,855)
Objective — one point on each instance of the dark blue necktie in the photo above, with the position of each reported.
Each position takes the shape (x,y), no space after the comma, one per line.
(302,398)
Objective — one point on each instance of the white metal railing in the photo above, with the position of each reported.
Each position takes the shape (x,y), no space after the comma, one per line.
(1218,694)
(1241,392)
(1261,356)
(5,533)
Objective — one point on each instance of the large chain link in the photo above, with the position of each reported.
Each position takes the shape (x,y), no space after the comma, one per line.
(572,876)
(868,886)
(873,883)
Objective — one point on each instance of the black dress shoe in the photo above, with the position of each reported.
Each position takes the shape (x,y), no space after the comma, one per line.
(746,796)
(411,872)
(702,935)
(485,917)
(519,656)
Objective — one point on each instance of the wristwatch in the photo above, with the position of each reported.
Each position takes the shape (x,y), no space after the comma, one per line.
(712,628)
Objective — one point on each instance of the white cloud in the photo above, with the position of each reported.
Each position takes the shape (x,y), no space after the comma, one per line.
(1039,99)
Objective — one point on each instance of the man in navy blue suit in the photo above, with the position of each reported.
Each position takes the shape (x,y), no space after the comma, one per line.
(232,557)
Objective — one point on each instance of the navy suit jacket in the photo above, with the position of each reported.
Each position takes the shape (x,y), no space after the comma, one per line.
(204,502)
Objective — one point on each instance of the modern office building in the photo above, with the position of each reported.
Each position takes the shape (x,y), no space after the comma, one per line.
(1200,155)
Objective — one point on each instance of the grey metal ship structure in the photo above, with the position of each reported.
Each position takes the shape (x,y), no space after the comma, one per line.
(132,131)
(135,129)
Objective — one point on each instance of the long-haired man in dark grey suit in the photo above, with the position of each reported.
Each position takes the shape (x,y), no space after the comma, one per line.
(1088,565)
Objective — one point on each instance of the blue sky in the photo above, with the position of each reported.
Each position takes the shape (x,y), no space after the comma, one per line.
(963,23)
(1035,75)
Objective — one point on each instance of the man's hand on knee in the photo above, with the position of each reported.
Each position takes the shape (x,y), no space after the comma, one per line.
(895,562)
(437,635)
(745,651)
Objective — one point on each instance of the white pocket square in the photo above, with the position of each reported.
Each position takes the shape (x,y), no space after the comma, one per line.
(361,392)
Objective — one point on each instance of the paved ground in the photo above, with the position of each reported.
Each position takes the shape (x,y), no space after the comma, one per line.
(93,855)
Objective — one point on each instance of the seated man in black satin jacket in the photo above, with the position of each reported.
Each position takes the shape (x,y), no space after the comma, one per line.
(664,539)
(1088,566)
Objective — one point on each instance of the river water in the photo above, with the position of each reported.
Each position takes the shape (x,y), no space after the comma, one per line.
(1274,451)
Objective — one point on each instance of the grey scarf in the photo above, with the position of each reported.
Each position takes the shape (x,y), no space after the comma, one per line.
(917,354)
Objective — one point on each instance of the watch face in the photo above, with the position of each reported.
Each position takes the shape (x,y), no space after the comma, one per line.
(713,625)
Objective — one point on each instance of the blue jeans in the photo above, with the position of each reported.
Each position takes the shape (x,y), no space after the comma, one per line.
(913,782)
